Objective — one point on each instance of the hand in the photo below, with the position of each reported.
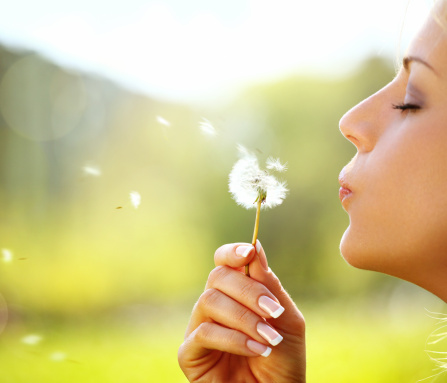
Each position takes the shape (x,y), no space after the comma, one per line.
(233,334)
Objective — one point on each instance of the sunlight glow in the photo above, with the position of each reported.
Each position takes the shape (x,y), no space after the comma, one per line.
(178,51)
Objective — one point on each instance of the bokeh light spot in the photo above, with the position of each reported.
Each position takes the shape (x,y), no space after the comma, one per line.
(41,102)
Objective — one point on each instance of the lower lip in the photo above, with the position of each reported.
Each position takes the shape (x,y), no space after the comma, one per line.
(344,193)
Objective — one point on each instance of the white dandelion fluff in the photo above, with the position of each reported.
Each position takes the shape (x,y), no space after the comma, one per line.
(207,128)
(252,187)
(163,121)
(135,199)
(92,170)
(248,183)
(275,164)
(32,339)
(437,336)
(7,255)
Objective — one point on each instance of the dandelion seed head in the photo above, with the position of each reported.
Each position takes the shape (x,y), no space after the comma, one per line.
(135,199)
(163,121)
(92,171)
(32,339)
(243,151)
(275,164)
(247,180)
(58,356)
(207,128)
(7,255)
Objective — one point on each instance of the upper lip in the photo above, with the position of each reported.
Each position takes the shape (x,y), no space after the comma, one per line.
(342,180)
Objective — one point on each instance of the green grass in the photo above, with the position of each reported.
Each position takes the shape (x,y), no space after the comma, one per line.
(95,352)
(345,344)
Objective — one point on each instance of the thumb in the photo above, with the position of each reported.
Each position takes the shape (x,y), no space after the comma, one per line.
(260,272)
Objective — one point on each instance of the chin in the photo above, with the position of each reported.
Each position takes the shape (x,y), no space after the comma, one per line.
(354,252)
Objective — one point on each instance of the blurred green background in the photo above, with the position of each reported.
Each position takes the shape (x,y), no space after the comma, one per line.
(94,290)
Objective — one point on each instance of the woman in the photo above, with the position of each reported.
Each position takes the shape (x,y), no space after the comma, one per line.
(394,190)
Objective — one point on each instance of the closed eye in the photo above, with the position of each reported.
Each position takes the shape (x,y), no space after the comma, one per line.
(406,106)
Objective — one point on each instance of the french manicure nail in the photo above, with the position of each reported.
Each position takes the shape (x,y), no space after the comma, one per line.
(270,306)
(262,258)
(258,246)
(259,348)
(269,334)
(243,251)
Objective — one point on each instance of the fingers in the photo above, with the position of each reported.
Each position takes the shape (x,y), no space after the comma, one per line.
(249,292)
(215,306)
(227,258)
(211,336)
(237,314)
(235,255)
(291,312)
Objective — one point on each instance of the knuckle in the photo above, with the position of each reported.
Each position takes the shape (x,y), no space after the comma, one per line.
(217,253)
(209,298)
(203,332)
(181,354)
(217,273)
(243,316)
(299,323)
(248,289)
(236,338)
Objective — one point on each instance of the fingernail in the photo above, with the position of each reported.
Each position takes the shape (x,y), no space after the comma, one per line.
(262,258)
(243,251)
(270,306)
(269,334)
(258,246)
(259,348)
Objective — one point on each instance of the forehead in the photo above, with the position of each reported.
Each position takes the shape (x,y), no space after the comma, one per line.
(430,44)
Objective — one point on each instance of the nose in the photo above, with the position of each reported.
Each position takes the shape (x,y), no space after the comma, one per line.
(362,124)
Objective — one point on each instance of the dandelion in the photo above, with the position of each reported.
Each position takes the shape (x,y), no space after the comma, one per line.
(252,187)
(275,164)
(135,199)
(32,339)
(6,255)
(91,171)
(207,128)
(163,121)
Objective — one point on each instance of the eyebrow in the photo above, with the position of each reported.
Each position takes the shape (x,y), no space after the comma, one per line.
(409,59)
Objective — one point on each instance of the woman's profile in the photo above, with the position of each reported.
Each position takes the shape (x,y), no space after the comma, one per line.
(394,191)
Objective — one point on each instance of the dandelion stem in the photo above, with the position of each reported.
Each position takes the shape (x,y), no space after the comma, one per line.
(255,233)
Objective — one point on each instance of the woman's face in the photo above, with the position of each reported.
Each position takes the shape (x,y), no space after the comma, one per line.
(395,188)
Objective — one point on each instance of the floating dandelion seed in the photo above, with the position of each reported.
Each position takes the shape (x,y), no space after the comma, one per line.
(58,356)
(135,199)
(92,171)
(275,164)
(6,255)
(207,128)
(252,187)
(32,339)
(163,121)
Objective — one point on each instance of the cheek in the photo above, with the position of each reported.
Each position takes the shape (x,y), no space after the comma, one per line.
(398,218)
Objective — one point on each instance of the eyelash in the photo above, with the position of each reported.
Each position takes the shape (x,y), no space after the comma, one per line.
(403,107)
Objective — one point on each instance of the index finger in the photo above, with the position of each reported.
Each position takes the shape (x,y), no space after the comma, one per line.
(235,255)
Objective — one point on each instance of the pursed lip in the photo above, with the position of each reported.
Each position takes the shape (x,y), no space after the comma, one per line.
(345,190)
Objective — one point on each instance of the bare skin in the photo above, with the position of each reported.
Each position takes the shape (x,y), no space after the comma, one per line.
(398,178)
(224,321)
(395,195)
